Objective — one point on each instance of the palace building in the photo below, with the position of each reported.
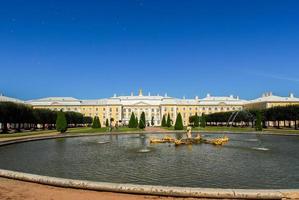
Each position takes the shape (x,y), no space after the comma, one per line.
(120,108)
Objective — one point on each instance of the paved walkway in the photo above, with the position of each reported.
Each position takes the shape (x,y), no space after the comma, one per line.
(19,190)
(152,129)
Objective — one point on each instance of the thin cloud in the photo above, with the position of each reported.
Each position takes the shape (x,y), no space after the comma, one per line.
(295,80)
(274,76)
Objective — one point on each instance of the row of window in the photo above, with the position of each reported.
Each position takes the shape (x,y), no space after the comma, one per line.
(153,110)
(207,108)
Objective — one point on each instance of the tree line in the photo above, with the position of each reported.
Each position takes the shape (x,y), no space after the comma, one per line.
(14,116)
(286,116)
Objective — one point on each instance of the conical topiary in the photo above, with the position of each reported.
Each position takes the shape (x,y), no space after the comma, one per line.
(142,121)
(168,122)
(258,123)
(179,123)
(61,124)
(163,124)
(132,121)
(96,122)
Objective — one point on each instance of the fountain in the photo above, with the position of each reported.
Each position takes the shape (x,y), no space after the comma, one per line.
(251,118)
(144,148)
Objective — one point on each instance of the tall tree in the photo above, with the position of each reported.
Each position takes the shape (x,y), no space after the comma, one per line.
(258,123)
(168,122)
(152,121)
(179,122)
(136,122)
(132,123)
(107,123)
(142,121)
(61,124)
(96,122)
(163,124)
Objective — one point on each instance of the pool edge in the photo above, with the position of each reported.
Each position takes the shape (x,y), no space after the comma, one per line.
(218,193)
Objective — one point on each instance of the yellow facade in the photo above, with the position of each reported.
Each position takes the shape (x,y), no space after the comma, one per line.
(120,108)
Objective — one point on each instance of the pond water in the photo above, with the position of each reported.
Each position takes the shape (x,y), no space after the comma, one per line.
(246,161)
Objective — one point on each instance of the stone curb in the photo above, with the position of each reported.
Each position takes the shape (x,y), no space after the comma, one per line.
(146,189)
(141,189)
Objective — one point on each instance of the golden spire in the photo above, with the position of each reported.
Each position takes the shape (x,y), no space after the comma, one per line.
(140,92)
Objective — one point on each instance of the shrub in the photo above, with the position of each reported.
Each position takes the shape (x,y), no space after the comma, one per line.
(61,124)
(168,122)
(258,123)
(179,123)
(132,123)
(142,121)
(96,122)
(163,124)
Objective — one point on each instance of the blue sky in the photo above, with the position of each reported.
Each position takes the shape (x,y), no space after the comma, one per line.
(93,49)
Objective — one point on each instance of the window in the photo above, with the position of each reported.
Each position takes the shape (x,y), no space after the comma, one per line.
(203,108)
(110,109)
(216,109)
(227,108)
(153,110)
(97,109)
(129,109)
(116,109)
(210,108)
(190,108)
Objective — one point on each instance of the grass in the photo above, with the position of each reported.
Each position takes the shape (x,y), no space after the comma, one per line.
(238,129)
(69,131)
(82,130)
(27,133)
(101,130)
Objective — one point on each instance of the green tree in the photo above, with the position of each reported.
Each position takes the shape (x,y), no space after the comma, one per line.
(152,121)
(179,123)
(196,120)
(163,124)
(168,122)
(96,122)
(136,122)
(142,121)
(132,123)
(87,120)
(203,120)
(61,124)
(258,123)
(107,123)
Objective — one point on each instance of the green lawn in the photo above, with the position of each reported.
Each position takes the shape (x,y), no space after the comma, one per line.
(27,133)
(69,131)
(100,130)
(238,129)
